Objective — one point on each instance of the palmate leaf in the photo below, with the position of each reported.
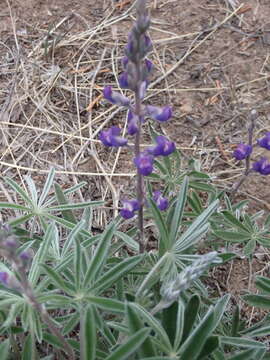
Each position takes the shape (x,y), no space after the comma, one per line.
(116,272)
(196,229)
(130,346)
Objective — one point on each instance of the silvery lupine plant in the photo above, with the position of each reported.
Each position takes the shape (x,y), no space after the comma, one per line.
(244,151)
(136,70)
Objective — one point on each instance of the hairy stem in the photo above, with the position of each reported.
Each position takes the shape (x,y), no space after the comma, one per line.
(28,292)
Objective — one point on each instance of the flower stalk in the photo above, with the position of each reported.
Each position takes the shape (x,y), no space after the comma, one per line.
(135,78)
(8,247)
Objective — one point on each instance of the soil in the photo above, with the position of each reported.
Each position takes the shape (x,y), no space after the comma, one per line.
(49,54)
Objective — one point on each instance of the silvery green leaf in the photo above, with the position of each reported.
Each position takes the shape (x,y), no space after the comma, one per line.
(46,187)
(88,336)
(130,346)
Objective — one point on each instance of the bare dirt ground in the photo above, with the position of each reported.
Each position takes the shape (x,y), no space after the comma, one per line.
(212,65)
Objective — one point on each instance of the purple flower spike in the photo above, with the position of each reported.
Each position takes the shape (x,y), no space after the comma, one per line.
(144,163)
(162,202)
(265,141)
(111,137)
(115,97)
(132,123)
(129,208)
(159,113)
(4,277)
(164,147)
(242,151)
(262,166)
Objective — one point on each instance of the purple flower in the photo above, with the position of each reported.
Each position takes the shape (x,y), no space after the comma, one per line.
(164,147)
(111,137)
(242,151)
(115,97)
(25,256)
(262,166)
(265,141)
(132,123)
(143,88)
(4,277)
(159,113)
(162,202)
(123,80)
(10,243)
(144,163)
(129,208)
(125,62)
(148,65)
(147,44)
